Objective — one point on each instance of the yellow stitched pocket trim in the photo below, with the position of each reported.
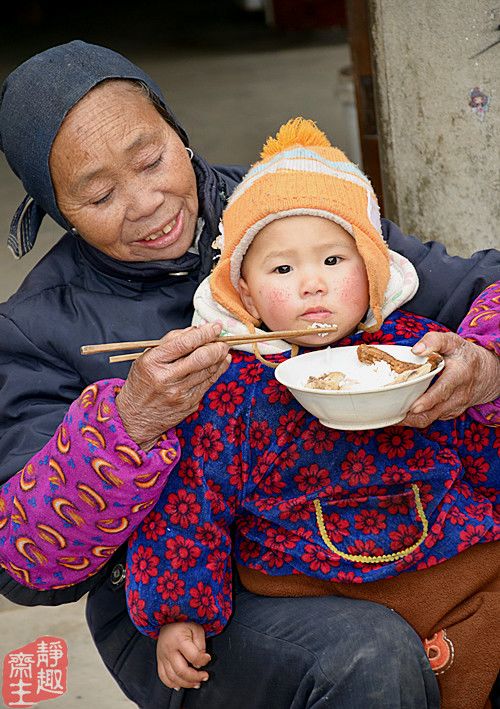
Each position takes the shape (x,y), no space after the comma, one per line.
(374,559)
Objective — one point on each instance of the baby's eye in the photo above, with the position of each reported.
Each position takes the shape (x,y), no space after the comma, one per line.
(332,260)
(282,269)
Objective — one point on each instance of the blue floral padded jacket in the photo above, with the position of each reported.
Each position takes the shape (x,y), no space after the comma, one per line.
(262,481)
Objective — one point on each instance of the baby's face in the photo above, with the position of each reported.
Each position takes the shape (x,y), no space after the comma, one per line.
(301,270)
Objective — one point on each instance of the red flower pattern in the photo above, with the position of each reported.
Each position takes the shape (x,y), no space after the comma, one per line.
(190,473)
(144,564)
(272,483)
(154,526)
(182,553)
(169,614)
(312,478)
(226,397)
(182,508)
(405,536)
(206,442)
(359,438)
(357,468)
(472,534)
(370,521)
(422,461)
(336,526)
(209,535)
(409,327)
(277,393)
(476,469)
(319,560)
(348,577)
(290,427)
(274,558)
(235,431)
(277,538)
(364,547)
(295,511)
(395,475)
(238,472)
(136,607)
(395,441)
(318,438)
(288,457)
(216,563)
(476,437)
(252,373)
(260,434)
(170,586)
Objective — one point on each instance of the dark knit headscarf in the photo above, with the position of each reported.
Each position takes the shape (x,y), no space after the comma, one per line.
(34,100)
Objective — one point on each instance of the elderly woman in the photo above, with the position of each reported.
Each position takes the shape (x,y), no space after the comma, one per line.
(97,148)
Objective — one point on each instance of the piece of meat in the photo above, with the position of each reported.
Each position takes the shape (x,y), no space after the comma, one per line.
(369,355)
(330,381)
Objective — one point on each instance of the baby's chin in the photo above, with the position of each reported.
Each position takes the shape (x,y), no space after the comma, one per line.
(318,340)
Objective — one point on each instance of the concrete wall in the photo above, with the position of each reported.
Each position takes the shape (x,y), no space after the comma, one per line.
(440,159)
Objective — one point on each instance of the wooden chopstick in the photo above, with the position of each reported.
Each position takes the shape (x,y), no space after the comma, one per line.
(228,339)
(114,346)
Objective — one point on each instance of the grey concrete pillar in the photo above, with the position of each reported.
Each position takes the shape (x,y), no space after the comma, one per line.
(439,119)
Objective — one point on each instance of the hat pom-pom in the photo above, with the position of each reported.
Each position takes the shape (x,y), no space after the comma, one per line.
(298,131)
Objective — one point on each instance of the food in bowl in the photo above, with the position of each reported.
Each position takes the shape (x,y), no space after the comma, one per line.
(373,402)
(382,370)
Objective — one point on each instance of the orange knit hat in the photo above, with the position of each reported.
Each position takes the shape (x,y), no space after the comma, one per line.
(300,173)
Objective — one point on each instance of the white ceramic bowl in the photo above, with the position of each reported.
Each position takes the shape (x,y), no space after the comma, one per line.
(352,410)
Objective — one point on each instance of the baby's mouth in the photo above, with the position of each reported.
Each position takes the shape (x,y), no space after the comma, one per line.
(317,315)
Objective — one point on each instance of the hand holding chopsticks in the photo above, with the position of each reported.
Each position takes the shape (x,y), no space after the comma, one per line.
(228,339)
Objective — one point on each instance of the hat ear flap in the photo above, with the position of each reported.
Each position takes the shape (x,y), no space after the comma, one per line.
(375,256)
(226,294)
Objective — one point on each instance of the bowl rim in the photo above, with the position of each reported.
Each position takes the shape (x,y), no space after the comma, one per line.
(348,392)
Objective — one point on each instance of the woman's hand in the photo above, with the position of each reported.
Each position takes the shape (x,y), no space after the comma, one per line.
(167,382)
(471,376)
(181,652)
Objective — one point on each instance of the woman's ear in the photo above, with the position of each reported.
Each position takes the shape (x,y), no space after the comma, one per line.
(247,299)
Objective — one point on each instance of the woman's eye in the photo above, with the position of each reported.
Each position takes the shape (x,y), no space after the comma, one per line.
(282,269)
(332,260)
(102,200)
(155,163)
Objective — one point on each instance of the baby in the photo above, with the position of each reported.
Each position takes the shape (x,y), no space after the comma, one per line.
(400,516)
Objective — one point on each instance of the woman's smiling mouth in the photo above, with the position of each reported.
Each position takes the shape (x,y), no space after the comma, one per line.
(165,236)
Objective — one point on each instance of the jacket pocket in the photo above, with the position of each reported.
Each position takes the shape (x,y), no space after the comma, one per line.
(413,524)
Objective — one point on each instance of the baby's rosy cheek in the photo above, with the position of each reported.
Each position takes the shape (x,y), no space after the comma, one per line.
(278,295)
(276,300)
(353,288)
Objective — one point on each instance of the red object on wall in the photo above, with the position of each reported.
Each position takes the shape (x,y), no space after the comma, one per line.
(309,14)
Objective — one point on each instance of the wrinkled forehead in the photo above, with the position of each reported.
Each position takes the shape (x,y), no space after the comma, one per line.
(92,115)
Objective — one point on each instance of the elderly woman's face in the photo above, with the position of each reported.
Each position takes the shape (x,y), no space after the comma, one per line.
(122,176)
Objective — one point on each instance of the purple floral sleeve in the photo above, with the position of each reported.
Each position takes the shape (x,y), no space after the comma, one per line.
(78,499)
(482,326)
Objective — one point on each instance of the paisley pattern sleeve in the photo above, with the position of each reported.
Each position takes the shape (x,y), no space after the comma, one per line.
(81,496)
(482,326)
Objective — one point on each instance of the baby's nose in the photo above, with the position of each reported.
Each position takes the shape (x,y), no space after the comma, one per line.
(313,284)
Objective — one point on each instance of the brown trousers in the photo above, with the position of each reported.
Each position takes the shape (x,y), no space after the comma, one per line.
(460,596)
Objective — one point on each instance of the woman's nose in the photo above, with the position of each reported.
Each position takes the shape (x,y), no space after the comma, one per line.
(143,201)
